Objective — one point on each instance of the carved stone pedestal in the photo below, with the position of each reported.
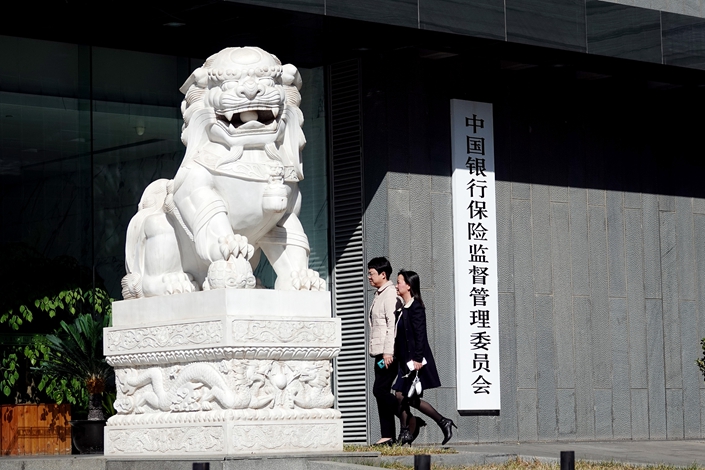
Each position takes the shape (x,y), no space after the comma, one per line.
(223,372)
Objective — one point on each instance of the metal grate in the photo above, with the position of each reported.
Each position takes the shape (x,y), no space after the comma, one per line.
(346,225)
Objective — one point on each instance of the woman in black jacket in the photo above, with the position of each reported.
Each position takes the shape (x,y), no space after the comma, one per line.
(415,358)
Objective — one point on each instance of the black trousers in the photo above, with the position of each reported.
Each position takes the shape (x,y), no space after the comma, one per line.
(387,405)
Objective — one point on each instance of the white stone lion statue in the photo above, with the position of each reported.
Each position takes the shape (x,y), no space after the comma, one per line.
(236,192)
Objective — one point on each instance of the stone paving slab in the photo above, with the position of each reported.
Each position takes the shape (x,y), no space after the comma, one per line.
(682,453)
(58,462)
(677,453)
(301,461)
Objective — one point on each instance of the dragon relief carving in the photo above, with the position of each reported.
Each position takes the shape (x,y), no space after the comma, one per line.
(312,390)
(235,195)
(191,388)
(233,384)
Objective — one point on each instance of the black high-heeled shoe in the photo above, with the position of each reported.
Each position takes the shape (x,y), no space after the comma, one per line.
(405,436)
(446,425)
(419,424)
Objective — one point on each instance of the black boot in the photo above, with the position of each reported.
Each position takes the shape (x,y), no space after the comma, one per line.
(446,425)
(405,436)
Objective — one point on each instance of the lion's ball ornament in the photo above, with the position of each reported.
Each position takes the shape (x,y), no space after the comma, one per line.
(235,195)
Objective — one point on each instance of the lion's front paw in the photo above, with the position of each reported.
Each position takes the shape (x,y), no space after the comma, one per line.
(235,246)
(236,273)
(177,283)
(169,283)
(307,279)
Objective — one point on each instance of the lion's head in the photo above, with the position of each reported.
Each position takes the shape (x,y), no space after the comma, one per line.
(243,98)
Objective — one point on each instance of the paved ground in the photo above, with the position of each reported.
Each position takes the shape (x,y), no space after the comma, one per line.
(675,453)
(678,453)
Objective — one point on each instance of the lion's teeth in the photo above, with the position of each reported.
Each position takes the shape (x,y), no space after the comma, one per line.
(275,111)
(229,115)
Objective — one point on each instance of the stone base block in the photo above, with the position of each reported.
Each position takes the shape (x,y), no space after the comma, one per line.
(223,373)
(225,438)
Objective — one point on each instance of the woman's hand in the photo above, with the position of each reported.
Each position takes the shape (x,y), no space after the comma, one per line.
(388,359)
(417,365)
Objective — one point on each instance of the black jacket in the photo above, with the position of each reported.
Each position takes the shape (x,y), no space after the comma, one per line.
(414,345)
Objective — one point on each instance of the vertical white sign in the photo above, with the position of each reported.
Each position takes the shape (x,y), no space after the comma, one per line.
(475,251)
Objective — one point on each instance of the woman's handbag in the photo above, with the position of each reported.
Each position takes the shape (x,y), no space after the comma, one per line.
(415,386)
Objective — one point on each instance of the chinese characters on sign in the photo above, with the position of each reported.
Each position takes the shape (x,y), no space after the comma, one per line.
(475,248)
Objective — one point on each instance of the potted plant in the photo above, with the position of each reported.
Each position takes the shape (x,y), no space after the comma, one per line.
(74,364)
(61,288)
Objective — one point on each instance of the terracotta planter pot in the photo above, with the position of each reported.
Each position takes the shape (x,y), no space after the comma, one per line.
(87,436)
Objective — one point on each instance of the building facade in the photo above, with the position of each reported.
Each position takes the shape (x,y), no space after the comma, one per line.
(599,206)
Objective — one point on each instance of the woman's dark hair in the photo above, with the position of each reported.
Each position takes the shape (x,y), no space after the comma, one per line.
(414,282)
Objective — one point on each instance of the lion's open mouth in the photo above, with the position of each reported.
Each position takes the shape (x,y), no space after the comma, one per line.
(259,119)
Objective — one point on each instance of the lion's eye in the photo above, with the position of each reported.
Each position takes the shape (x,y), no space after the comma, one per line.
(268,82)
(228,86)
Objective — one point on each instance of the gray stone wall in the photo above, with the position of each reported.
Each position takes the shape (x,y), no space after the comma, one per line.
(600,308)
(606,308)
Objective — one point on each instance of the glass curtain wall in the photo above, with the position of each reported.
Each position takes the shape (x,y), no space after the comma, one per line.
(45,158)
